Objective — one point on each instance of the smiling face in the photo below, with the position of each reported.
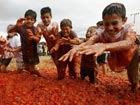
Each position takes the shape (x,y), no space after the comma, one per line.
(66,31)
(30,21)
(46,18)
(113,23)
(90,32)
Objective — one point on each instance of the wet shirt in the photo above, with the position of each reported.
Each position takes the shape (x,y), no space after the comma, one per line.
(66,47)
(29,47)
(52,32)
(119,60)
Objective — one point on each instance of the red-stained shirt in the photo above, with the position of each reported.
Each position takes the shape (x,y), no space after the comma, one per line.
(29,47)
(66,47)
(50,34)
(119,60)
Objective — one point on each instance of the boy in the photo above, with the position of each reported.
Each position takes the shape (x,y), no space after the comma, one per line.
(29,36)
(49,30)
(5,54)
(67,38)
(14,41)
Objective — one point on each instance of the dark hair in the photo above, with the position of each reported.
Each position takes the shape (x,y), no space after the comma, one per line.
(30,13)
(66,22)
(46,10)
(93,27)
(10,25)
(115,8)
(99,23)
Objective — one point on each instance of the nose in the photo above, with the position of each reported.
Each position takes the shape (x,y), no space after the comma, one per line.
(110,27)
(65,31)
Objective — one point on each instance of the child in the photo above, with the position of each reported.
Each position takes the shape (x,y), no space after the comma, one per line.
(88,65)
(102,60)
(49,30)
(14,40)
(100,25)
(5,54)
(29,36)
(118,38)
(68,38)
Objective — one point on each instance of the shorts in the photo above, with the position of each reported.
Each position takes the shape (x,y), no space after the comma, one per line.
(103,58)
(5,61)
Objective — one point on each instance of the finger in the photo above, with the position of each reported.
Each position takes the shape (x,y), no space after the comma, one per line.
(63,58)
(90,51)
(22,19)
(84,48)
(72,55)
(82,52)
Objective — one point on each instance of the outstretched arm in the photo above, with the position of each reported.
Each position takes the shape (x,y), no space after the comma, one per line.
(75,50)
(98,48)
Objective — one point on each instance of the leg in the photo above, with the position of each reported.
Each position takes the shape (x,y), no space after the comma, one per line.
(3,68)
(91,76)
(4,64)
(132,71)
(72,70)
(31,69)
(83,73)
(61,68)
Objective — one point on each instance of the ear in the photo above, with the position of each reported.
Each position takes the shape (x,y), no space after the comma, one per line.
(124,20)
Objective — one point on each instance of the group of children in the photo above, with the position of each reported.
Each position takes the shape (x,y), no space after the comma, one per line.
(118,38)
(115,36)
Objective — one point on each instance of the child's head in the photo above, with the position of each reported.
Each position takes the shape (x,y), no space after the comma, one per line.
(46,15)
(9,26)
(66,26)
(114,17)
(91,31)
(100,24)
(11,34)
(30,16)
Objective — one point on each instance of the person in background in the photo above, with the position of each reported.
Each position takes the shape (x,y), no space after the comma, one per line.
(5,54)
(15,43)
(30,37)
(118,38)
(102,60)
(88,65)
(100,25)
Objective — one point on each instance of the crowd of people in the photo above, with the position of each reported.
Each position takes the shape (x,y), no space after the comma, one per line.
(111,42)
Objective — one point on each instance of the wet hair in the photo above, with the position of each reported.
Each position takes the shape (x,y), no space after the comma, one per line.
(15,34)
(115,8)
(46,10)
(66,22)
(92,27)
(99,23)
(10,25)
(30,13)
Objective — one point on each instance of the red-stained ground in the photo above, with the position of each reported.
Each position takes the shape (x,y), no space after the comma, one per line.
(26,89)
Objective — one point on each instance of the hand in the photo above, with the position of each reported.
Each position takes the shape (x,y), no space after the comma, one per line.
(2,40)
(69,55)
(52,50)
(64,41)
(30,34)
(96,49)
(52,37)
(20,22)
(42,29)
